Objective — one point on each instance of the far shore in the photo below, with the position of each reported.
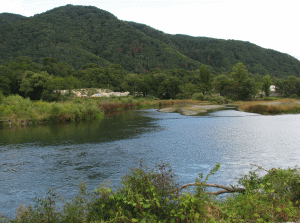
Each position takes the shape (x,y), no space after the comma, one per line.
(282,106)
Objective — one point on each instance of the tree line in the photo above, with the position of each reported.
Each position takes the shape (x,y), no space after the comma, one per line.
(41,80)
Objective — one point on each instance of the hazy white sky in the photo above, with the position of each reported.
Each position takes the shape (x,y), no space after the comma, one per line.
(270,24)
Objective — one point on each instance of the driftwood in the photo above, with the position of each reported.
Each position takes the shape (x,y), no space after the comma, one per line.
(225,189)
(259,167)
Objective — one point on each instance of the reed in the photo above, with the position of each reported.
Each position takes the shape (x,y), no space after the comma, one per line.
(15,110)
(283,106)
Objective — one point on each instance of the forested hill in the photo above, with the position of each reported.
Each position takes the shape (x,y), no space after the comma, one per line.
(9,17)
(223,54)
(78,35)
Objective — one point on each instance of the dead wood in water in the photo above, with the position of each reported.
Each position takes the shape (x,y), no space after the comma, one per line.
(225,188)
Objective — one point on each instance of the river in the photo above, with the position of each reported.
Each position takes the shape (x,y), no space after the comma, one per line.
(33,159)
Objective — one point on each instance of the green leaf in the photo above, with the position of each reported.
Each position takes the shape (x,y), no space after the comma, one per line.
(287,210)
(197,215)
(134,220)
(146,205)
(278,209)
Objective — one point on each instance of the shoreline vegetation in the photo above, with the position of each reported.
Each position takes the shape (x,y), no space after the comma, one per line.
(154,195)
(281,106)
(15,110)
(274,107)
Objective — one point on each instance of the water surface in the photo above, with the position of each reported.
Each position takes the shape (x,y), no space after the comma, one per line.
(37,158)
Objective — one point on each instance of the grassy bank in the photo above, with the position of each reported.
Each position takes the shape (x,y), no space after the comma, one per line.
(282,106)
(15,110)
(152,195)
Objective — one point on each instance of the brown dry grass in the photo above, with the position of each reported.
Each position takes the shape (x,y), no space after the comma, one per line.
(282,106)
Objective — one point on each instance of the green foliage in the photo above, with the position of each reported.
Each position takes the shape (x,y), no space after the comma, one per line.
(79,35)
(20,110)
(188,90)
(277,183)
(9,17)
(239,73)
(55,68)
(273,197)
(266,83)
(151,195)
(205,79)
(33,84)
(211,98)
(5,80)
(288,86)
(1,97)
(237,87)
(221,55)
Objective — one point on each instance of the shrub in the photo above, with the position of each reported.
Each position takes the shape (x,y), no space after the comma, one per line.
(212,98)
(273,197)
(294,96)
(198,96)
(152,195)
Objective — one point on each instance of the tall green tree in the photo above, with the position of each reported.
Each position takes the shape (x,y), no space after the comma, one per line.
(170,87)
(266,83)
(5,81)
(132,83)
(33,84)
(205,79)
(239,72)
(288,86)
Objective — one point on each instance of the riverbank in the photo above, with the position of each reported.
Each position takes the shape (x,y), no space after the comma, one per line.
(17,111)
(282,106)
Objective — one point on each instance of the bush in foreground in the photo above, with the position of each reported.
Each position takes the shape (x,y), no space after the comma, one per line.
(152,195)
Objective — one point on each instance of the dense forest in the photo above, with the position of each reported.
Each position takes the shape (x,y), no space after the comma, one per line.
(86,47)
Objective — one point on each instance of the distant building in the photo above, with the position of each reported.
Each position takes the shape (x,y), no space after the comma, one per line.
(273,92)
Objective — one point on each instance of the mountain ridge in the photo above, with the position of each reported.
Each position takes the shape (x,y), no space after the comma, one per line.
(78,35)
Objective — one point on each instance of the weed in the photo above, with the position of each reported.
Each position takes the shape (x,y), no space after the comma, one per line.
(152,195)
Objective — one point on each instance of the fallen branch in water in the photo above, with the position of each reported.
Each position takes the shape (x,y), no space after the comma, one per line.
(259,167)
(225,189)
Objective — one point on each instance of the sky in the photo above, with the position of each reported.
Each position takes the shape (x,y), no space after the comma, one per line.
(272,24)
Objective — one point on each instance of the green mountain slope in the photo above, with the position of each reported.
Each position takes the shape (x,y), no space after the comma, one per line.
(223,54)
(78,35)
(10,17)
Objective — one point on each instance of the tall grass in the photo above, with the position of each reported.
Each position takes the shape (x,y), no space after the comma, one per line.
(151,195)
(284,106)
(16,110)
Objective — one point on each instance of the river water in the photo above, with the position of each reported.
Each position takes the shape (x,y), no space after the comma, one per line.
(33,159)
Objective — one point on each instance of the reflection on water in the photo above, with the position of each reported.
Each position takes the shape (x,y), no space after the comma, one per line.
(37,158)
